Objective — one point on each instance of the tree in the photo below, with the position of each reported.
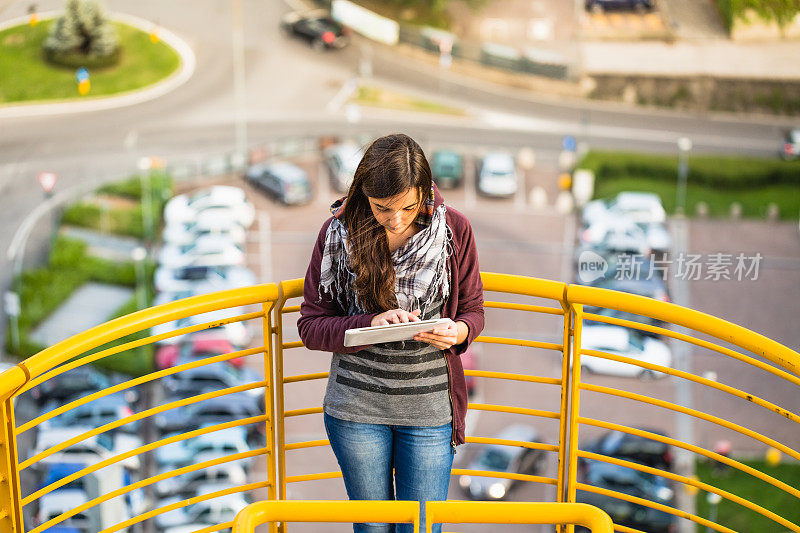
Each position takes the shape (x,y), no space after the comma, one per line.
(83,30)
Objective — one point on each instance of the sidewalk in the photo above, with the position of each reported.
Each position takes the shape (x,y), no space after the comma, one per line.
(713,58)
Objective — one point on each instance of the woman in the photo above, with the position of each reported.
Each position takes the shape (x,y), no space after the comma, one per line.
(391,253)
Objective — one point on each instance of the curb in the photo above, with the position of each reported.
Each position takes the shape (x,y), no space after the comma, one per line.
(138,96)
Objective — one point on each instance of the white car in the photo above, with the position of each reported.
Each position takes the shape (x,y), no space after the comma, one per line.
(187,278)
(217,222)
(640,207)
(90,450)
(626,342)
(209,250)
(614,233)
(228,473)
(59,502)
(209,446)
(498,175)
(184,208)
(342,161)
(213,511)
(238,333)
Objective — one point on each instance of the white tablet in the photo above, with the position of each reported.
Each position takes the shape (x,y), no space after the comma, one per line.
(404,331)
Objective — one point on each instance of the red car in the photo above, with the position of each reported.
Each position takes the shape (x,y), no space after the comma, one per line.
(196,346)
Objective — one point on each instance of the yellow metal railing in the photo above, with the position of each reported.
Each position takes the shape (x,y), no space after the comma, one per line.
(270,306)
(452,512)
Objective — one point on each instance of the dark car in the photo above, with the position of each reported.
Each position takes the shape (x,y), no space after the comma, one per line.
(447,168)
(634,483)
(317,28)
(502,458)
(283,181)
(634,448)
(640,6)
(212,411)
(74,383)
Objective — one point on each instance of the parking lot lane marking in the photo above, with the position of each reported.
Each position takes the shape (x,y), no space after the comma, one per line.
(345,92)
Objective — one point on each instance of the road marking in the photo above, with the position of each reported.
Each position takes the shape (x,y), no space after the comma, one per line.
(347,90)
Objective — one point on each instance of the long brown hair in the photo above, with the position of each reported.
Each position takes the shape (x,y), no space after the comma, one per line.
(391,165)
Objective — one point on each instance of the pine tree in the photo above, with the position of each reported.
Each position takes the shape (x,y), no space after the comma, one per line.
(84,30)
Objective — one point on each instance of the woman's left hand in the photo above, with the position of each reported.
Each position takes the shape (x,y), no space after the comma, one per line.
(443,337)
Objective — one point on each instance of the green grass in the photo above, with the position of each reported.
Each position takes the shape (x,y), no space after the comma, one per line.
(25,76)
(377,97)
(739,518)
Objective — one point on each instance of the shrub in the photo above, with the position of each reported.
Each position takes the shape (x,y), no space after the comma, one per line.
(82,36)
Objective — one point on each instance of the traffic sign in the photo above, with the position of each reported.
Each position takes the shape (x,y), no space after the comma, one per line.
(47,180)
(82,74)
(569,143)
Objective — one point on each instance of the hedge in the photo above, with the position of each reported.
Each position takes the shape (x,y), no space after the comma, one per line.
(711,171)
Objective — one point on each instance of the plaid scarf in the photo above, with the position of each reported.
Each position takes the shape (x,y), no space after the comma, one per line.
(422,274)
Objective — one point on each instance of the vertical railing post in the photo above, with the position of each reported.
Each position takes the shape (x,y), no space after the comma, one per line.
(279,403)
(10,494)
(563,429)
(269,403)
(570,407)
(574,407)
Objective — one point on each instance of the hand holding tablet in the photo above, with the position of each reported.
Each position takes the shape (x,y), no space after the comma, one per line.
(403,331)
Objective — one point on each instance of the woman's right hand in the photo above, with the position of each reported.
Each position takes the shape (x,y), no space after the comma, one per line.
(395,316)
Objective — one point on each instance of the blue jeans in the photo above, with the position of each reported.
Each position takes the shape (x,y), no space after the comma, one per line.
(421,458)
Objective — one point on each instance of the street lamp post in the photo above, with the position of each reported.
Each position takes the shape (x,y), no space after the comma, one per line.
(684,147)
(145,163)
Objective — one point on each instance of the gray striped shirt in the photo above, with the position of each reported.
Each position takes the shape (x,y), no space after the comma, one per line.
(398,383)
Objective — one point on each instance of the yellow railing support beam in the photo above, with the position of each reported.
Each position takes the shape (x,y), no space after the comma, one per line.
(357,511)
(457,512)
(10,493)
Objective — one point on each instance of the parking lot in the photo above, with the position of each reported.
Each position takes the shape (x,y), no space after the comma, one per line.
(515,238)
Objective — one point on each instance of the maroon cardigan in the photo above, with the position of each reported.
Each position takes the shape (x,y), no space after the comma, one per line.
(322,321)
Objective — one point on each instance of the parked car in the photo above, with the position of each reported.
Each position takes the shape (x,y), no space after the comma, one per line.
(501,458)
(215,376)
(90,450)
(615,313)
(342,160)
(640,6)
(185,485)
(73,383)
(791,146)
(98,413)
(185,208)
(626,342)
(317,28)
(447,168)
(640,207)
(209,250)
(207,446)
(284,181)
(211,411)
(632,482)
(58,502)
(633,448)
(189,277)
(195,346)
(216,222)
(497,175)
(613,234)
